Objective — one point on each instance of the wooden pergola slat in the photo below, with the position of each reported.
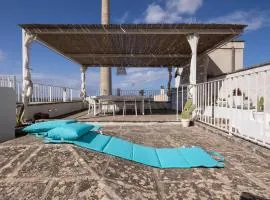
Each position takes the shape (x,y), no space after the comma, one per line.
(147,45)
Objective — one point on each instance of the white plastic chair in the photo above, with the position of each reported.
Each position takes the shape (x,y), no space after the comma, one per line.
(130,103)
(107,106)
(92,105)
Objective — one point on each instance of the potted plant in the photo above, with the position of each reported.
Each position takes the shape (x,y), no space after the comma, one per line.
(19,121)
(259,115)
(260,104)
(237,97)
(186,115)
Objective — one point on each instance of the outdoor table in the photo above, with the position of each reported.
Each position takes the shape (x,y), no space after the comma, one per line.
(131,98)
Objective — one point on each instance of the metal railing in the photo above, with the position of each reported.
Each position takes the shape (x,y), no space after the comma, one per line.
(179,97)
(7,81)
(238,104)
(41,93)
(160,95)
(49,93)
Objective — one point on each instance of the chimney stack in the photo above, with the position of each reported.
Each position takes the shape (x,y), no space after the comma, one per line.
(105,71)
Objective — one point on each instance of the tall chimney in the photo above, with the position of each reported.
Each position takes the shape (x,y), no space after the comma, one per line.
(105,12)
(105,71)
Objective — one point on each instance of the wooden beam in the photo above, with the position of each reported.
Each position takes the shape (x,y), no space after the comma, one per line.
(128,55)
(135,32)
(42,42)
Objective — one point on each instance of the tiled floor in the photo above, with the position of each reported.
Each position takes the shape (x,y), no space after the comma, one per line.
(156,116)
(30,169)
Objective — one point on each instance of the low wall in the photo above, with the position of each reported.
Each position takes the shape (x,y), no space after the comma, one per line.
(55,109)
(7,114)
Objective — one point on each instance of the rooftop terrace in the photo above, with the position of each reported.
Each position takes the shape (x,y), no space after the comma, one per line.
(30,169)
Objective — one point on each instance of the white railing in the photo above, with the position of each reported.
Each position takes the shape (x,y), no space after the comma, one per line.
(159,95)
(179,97)
(238,104)
(7,81)
(41,93)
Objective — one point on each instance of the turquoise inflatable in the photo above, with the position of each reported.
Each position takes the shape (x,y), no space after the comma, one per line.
(156,157)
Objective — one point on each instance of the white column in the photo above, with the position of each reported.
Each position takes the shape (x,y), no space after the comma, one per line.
(83,82)
(193,40)
(177,78)
(27,86)
(177,82)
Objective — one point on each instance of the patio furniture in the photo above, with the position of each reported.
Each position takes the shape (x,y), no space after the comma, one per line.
(107,106)
(126,100)
(131,104)
(183,157)
(149,106)
(92,104)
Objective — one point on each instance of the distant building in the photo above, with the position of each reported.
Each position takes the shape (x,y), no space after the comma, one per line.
(225,59)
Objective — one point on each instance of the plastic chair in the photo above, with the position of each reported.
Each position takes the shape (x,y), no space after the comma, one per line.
(92,105)
(130,103)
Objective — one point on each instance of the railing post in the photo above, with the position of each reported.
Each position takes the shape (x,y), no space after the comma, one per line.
(18,92)
(50,93)
(71,97)
(177,103)
(64,94)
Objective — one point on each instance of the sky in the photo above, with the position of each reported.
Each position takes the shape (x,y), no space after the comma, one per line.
(50,68)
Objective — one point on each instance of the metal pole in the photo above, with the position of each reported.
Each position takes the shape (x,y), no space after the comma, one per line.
(177,97)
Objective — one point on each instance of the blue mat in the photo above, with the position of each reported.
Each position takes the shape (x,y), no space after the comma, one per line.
(156,157)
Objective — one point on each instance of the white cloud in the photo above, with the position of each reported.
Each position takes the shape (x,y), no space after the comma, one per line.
(123,19)
(184,6)
(2,55)
(143,78)
(155,14)
(182,11)
(254,19)
(131,70)
(171,12)
(92,79)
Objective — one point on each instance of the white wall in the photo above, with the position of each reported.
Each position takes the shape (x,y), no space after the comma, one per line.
(226,59)
(253,82)
(55,109)
(7,114)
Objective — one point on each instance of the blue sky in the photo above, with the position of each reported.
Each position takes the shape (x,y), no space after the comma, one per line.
(48,67)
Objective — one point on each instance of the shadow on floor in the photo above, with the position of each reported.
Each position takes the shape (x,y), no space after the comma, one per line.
(248,196)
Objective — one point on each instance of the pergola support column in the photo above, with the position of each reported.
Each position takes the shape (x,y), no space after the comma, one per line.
(83,82)
(27,84)
(193,40)
(170,79)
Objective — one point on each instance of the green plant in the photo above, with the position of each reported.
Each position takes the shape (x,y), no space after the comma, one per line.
(260,104)
(19,116)
(188,109)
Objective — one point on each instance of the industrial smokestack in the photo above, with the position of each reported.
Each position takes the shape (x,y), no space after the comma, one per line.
(105,71)
(105,12)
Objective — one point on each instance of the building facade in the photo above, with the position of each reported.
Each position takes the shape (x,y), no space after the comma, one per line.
(225,59)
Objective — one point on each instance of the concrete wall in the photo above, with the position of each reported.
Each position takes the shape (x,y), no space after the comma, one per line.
(7,114)
(56,109)
(225,59)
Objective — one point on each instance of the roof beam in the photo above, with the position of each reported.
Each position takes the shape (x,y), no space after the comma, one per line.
(128,55)
(134,32)
(139,65)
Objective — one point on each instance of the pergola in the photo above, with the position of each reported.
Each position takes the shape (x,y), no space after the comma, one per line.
(126,45)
